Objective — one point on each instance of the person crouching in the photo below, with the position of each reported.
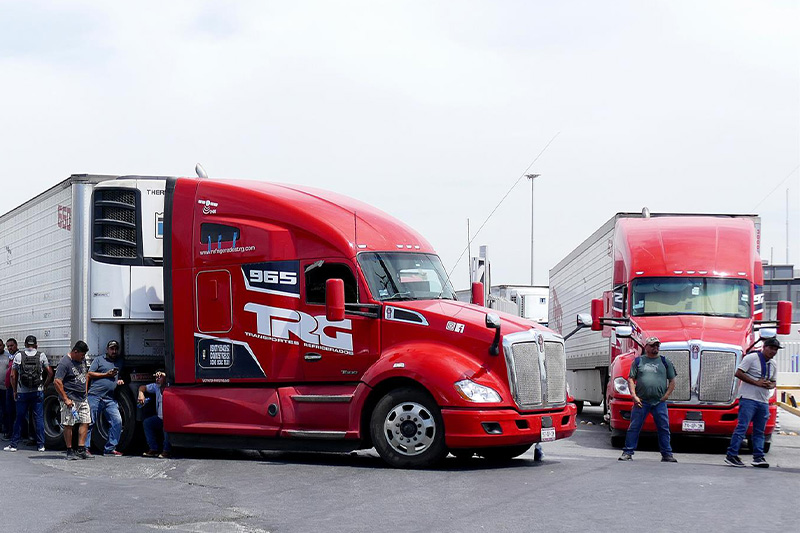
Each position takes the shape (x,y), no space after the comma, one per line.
(70,384)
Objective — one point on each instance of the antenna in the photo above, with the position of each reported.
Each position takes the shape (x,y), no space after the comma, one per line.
(201,172)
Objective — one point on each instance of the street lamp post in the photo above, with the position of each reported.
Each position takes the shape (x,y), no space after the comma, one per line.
(532,177)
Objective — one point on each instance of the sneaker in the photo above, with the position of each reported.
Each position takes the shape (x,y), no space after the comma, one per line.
(668,459)
(71,455)
(150,453)
(625,457)
(164,455)
(40,448)
(760,462)
(733,460)
(10,448)
(113,453)
(89,453)
(81,454)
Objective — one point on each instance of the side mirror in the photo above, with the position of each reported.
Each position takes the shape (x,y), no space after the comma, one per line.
(493,322)
(784,318)
(477,293)
(334,300)
(584,320)
(597,314)
(624,332)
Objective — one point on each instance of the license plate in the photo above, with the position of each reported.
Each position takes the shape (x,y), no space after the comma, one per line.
(548,434)
(694,425)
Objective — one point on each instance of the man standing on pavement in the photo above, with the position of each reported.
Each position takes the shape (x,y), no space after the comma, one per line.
(104,378)
(7,398)
(28,383)
(4,364)
(71,387)
(757,373)
(651,381)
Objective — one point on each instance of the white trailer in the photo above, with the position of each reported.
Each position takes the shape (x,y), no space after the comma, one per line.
(83,261)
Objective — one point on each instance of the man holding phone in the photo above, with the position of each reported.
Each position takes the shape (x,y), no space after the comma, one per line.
(104,378)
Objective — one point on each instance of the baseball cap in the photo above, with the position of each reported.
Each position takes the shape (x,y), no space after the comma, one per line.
(30,340)
(112,343)
(772,341)
(651,340)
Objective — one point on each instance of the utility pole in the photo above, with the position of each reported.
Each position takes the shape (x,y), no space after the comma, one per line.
(532,177)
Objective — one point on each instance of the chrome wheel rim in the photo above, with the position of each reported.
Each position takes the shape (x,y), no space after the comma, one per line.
(409,428)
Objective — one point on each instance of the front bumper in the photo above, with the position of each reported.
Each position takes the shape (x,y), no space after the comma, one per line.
(719,421)
(466,428)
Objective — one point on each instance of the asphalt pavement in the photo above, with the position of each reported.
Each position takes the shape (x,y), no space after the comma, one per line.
(580,486)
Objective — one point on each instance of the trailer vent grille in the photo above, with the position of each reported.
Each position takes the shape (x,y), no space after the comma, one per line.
(683,380)
(716,376)
(115,231)
(555,362)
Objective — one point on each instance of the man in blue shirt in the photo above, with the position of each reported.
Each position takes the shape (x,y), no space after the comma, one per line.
(104,376)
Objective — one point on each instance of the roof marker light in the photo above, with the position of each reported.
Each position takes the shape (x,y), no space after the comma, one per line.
(408,246)
(400,246)
(678,271)
(702,271)
(416,246)
(640,272)
(742,273)
(690,271)
(362,246)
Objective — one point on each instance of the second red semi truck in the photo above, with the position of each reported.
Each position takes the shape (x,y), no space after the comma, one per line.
(695,282)
(286,318)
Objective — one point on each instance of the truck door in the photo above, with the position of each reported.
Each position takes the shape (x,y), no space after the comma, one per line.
(344,350)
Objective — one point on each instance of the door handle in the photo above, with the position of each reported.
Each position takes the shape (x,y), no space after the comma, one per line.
(312,356)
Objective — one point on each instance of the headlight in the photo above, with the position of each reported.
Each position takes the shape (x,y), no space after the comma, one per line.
(621,386)
(469,390)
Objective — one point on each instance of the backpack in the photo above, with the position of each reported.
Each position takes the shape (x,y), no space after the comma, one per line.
(30,370)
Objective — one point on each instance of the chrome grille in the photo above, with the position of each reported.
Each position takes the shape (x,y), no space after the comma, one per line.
(555,363)
(716,376)
(683,381)
(525,357)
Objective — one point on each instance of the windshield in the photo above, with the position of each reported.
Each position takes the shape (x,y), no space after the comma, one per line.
(405,276)
(690,296)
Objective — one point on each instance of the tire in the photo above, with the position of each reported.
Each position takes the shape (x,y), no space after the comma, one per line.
(408,430)
(579,405)
(53,432)
(502,454)
(127,410)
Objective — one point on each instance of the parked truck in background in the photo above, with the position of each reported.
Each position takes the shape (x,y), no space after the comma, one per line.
(286,318)
(695,282)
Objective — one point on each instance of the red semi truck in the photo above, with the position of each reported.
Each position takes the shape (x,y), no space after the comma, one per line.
(300,319)
(695,282)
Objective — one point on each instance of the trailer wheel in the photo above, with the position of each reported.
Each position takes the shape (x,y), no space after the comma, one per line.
(408,430)
(127,410)
(501,454)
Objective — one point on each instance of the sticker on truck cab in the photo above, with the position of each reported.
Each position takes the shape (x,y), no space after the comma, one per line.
(273,277)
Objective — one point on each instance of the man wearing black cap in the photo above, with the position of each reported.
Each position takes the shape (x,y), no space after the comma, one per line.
(104,378)
(30,375)
(757,373)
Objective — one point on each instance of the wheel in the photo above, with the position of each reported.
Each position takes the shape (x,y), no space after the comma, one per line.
(501,454)
(127,410)
(53,432)
(408,430)
(579,405)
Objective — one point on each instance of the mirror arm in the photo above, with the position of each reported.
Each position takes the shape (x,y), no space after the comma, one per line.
(494,349)
(573,332)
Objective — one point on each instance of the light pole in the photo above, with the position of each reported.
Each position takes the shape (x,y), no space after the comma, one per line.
(532,177)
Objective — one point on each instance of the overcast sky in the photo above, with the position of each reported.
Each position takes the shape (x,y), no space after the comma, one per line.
(430,111)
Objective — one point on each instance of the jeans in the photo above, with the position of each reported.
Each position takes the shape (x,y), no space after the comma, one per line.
(24,400)
(97,406)
(660,417)
(153,428)
(10,412)
(758,413)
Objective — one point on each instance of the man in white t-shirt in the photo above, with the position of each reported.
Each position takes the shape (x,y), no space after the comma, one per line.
(757,373)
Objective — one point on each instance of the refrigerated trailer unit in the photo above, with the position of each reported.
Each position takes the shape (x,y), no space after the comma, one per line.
(83,260)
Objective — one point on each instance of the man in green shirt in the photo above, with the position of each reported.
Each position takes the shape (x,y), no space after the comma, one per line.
(651,382)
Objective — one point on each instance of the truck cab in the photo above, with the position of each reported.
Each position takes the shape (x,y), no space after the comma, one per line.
(696,284)
(298,318)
